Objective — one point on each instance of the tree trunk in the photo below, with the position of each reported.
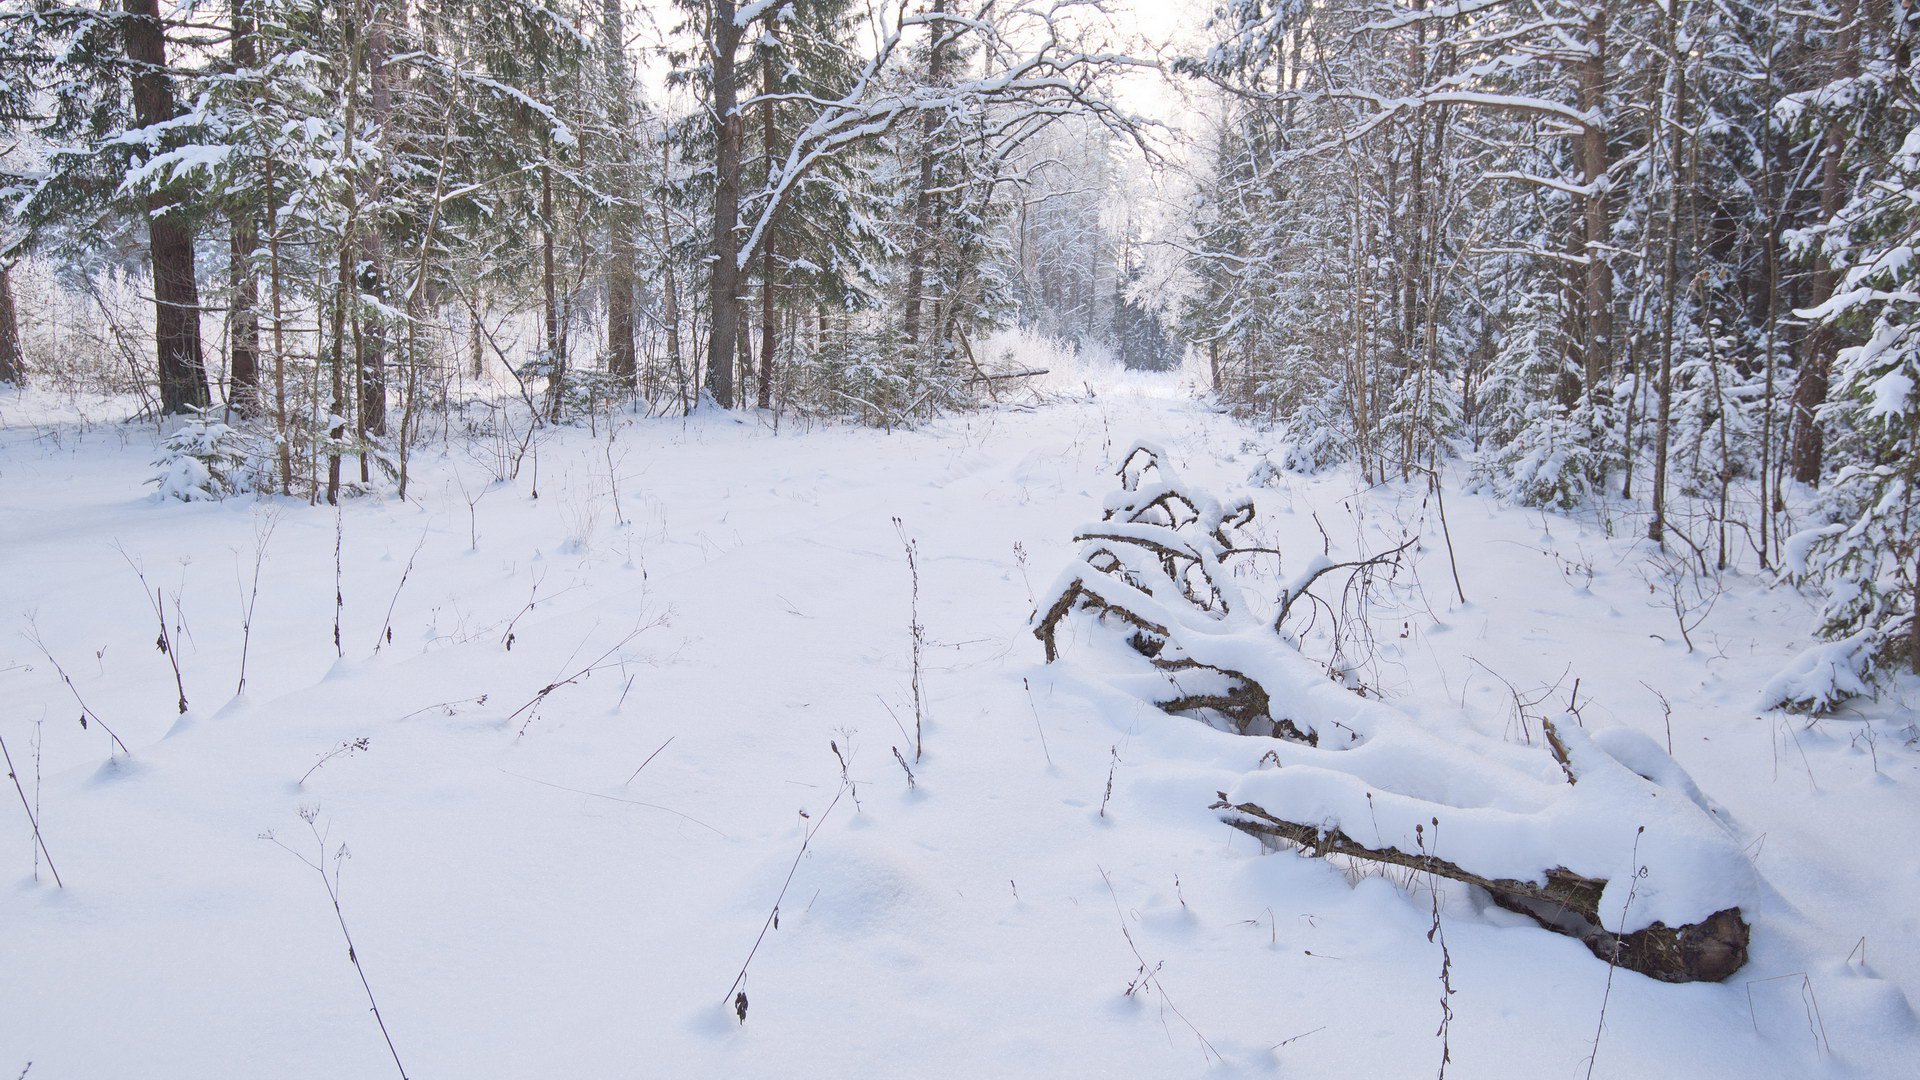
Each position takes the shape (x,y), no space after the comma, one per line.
(549,296)
(1771,187)
(1809,441)
(1596,341)
(670,299)
(285,441)
(337,346)
(1913,623)
(371,327)
(12,368)
(769,331)
(477,362)
(1669,285)
(344,285)
(723,38)
(743,377)
(622,360)
(924,197)
(176,290)
(243,240)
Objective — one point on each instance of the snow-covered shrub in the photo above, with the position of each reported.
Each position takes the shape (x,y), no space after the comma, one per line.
(1529,366)
(1823,676)
(1319,433)
(585,393)
(869,375)
(1536,451)
(1864,559)
(1314,447)
(1421,420)
(205,459)
(1552,462)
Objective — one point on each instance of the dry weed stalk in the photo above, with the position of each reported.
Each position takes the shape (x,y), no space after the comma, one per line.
(32,818)
(318,864)
(86,713)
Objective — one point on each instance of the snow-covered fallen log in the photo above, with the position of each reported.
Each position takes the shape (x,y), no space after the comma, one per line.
(1598,835)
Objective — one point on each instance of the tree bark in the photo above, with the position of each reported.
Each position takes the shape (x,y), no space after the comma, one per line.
(743,376)
(723,38)
(769,330)
(1669,284)
(622,360)
(1596,340)
(176,290)
(670,299)
(12,368)
(476,332)
(345,291)
(622,357)
(243,241)
(285,441)
(549,296)
(337,346)
(371,335)
(924,209)
(1809,440)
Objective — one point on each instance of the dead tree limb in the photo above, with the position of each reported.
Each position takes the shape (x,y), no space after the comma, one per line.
(1151,569)
(1705,951)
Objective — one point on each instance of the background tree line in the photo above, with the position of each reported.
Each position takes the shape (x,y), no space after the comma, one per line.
(340,216)
(1605,252)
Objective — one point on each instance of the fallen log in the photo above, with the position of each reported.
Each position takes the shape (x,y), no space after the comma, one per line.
(1000,375)
(1151,572)
(1706,951)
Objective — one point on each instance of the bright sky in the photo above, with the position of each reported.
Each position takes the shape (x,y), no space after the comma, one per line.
(1169,26)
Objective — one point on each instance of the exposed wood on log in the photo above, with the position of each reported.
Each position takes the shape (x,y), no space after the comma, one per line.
(1706,951)
(1559,749)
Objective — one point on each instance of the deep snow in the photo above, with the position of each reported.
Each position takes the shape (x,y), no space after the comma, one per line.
(522,910)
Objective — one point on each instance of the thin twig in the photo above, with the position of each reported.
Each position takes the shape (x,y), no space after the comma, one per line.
(263,532)
(348,746)
(332,885)
(1036,721)
(386,628)
(165,642)
(447,705)
(916,632)
(650,757)
(32,819)
(615,798)
(1149,973)
(1613,960)
(33,635)
(775,912)
(598,664)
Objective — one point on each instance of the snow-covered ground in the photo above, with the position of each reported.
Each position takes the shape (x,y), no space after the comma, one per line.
(527,900)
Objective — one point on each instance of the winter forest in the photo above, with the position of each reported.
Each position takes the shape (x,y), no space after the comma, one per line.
(938,538)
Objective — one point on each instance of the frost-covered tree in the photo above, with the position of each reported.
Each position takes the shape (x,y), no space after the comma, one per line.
(1868,556)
